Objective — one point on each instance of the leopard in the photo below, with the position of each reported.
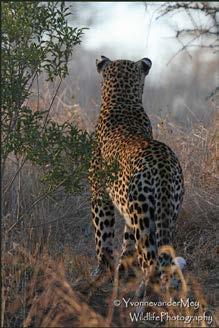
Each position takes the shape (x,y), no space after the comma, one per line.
(148,186)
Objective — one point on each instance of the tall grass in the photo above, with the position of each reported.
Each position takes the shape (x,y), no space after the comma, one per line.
(48,249)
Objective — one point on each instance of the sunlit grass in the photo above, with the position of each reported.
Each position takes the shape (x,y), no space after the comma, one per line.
(47,256)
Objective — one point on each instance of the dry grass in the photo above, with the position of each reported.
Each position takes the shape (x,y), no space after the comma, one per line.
(47,255)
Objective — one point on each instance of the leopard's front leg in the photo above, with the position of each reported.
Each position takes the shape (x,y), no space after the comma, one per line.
(102,217)
(103,222)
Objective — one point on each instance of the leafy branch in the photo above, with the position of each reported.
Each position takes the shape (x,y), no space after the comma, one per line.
(37,41)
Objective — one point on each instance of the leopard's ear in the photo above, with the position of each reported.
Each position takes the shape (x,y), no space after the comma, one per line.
(145,64)
(101,63)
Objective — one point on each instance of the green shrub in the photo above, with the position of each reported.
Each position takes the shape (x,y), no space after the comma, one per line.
(37,38)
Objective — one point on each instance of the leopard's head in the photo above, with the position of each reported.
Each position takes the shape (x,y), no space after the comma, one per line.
(123,77)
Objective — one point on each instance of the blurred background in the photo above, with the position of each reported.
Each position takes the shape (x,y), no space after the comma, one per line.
(180,39)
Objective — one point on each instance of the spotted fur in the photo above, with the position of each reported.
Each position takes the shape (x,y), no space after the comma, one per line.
(148,190)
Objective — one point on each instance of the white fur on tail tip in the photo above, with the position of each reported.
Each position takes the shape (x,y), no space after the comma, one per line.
(180,262)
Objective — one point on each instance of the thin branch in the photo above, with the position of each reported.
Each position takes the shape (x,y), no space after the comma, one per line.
(38,94)
(184,47)
(19,189)
(53,99)
(63,217)
(40,198)
(14,177)
(201,6)
(190,8)
(199,31)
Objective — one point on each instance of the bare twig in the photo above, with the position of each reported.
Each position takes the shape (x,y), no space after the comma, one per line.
(53,99)
(15,175)
(38,94)
(184,47)
(63,217)
(197,31)
(40,198)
